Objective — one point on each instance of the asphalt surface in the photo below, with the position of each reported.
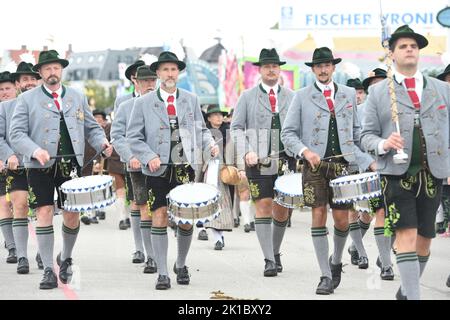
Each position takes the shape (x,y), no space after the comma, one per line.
(103,268)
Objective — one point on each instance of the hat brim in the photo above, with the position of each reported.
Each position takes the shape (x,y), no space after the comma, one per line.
(154,66)
(63,62)
(132,68)
(443,75)
(366,82)
(261,63)
(318,61)
(16,75)
(224,113)
(422,42)
(147,77)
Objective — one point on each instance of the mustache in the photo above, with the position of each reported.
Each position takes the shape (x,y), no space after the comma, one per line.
(323,74)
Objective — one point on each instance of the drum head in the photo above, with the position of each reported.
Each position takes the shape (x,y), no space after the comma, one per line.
(193,194)
(290,184)
(86,184)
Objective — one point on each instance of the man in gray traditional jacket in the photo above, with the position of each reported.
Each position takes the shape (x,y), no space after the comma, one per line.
(255,128)
(51,121)
(167,127)
(17,187)
(322,123)
(412,188)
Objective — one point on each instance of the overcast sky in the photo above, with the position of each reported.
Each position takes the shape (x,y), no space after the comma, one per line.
(96,25)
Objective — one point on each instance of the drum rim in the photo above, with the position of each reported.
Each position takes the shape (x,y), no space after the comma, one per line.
(365,176)
(99,205)
(198,204)
(86,189)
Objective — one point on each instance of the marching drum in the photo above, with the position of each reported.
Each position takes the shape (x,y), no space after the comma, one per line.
(289,190)
(193,202)
(356,187)
(88,193)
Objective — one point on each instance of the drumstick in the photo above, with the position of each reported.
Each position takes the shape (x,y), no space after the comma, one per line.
(184,163)
(338,156)
(59,156)
(271,156)
(173,164)
(95,156)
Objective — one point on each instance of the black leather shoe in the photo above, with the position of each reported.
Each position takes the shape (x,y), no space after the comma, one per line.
(123,225)
(163,283)
(138,257)
(202,235)
(49,281)
(448,281)
(399,295)
(128,222)
(150,266)
(86,220)
(23,267)
(94,220)
(65,270)
(440,228)
(252,225)
(336,270)
(182,275)
(218,245)
(363,263)
(387,273)
(100,214)
(278,263)
(247,228)
(354,256)
(39,262)
(12,256)
(236,223)
(270,269)
(325,286)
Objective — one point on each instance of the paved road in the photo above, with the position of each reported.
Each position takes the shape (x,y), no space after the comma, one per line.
(103,269)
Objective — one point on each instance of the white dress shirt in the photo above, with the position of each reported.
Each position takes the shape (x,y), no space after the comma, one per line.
(275,89)
(400,78)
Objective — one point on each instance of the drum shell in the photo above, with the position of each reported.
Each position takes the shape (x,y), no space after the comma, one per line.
(191,213)
(292,199)
(357,187)
(92,199)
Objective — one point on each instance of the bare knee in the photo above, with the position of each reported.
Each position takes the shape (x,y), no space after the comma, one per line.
(406,240)
(71,219)
(44,216)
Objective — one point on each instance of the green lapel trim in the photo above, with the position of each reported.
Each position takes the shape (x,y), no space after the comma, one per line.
(262,89)
(50,96)
(158,93)
(46,92)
